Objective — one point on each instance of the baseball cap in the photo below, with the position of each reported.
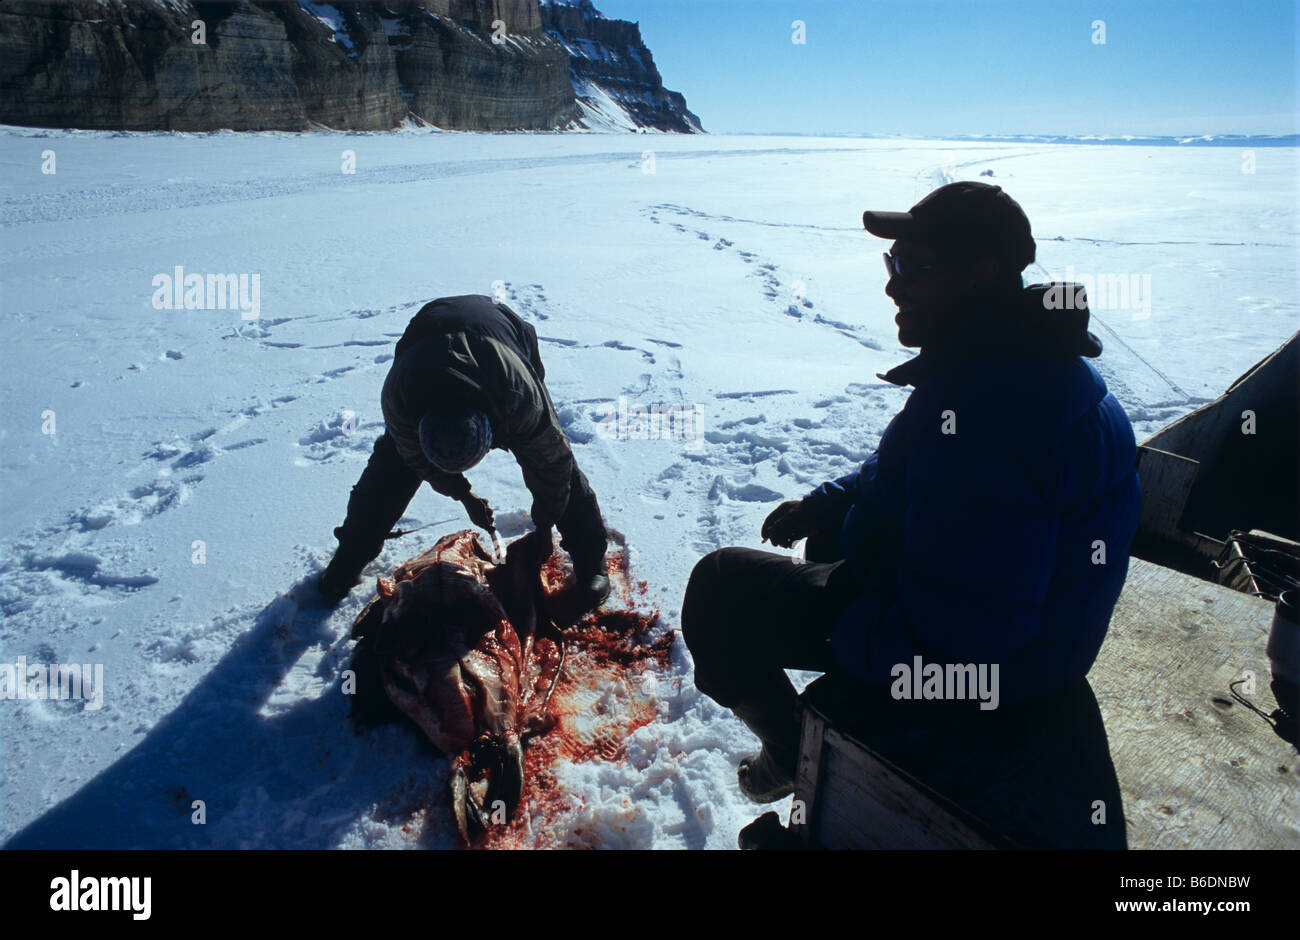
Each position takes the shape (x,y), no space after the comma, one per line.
(962,221)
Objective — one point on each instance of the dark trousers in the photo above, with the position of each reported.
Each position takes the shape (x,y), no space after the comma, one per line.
(377,501)
(582,531)
(749,614)
(388,485)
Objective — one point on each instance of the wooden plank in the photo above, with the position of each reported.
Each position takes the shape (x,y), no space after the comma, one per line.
(868,804)
(1199,434)
(867,824)
(1026,777)
(808,775)
(1196,769)
(1166,481)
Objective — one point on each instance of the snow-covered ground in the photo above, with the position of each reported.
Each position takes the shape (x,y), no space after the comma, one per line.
(169,476)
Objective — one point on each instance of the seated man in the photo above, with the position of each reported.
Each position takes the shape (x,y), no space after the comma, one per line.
(991,526)
(467,377)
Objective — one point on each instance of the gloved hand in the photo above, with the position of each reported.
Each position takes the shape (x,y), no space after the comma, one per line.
(480,513)
(788,523)
(532,550)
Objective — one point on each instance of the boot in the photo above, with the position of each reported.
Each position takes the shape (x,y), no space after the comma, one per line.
(763,779)
(769,775)
(766,832)
(341,575)
(590,580)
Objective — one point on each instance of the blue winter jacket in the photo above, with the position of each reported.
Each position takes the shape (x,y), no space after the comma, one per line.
(993,522)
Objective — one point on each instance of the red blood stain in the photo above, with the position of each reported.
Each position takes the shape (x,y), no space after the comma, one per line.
(617,660)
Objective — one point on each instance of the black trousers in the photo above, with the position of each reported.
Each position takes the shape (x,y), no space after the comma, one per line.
(388,485)
(749,614)
(582,531)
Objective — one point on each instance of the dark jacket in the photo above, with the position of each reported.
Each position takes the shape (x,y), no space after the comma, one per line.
(982,546)
(476,351)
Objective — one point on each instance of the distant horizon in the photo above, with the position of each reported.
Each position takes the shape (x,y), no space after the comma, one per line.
(1203,139)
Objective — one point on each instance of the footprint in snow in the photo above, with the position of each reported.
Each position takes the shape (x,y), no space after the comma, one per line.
(743,492)
(615,344)
(84,567)
(337,435)
(528,300)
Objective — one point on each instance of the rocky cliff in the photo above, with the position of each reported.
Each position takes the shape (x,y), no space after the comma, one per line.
(465,64)
(611,64)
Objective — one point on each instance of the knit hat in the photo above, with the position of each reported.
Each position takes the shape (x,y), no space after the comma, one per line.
(455,438)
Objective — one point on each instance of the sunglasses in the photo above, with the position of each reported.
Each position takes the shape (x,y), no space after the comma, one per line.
(904,267)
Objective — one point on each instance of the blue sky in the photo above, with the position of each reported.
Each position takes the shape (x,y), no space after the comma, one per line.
(936,67)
